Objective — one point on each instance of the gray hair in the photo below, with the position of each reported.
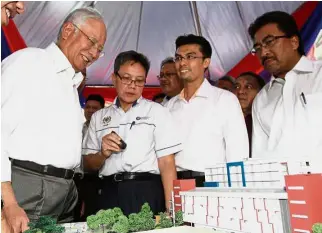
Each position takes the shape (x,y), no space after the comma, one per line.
(79,16)
(168,60)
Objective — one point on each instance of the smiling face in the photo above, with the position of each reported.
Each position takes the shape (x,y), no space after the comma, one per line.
(129,93)
(246,88)
(9,10)
(281,55)
(77,44)
(193,64)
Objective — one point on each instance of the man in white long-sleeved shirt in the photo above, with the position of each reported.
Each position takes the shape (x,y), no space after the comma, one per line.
(42,118)
(210,119)
(287,112)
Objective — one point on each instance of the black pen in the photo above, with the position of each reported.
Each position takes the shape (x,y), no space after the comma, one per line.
(133,123)
(303,97)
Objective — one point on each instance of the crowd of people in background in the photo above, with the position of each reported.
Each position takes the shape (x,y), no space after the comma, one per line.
(129,153)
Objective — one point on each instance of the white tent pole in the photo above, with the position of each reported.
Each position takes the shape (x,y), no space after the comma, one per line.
(140,19)
(195,16)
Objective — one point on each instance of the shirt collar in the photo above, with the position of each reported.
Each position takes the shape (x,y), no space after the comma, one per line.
(304,65)
(117,104)
(203,91)
(61,63)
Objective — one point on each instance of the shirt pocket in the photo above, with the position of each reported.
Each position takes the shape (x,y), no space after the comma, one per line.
(313,109)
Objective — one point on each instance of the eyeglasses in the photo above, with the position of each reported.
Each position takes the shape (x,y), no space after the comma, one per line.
(166,75)
(188,57)
(129,80)
(268,42)
(92,42)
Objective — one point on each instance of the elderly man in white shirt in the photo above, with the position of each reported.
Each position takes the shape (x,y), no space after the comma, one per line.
(210,119)
(287,112)
(143,170)
(41,115)
(170,83)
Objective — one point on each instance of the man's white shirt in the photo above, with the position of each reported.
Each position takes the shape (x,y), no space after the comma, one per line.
(212,128)
(148,130)
(296,120)
(41,114)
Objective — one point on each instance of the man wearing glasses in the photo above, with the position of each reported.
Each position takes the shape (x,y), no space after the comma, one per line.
(287,112)
(41,115)
(132,143)
(170,83)
(210,119)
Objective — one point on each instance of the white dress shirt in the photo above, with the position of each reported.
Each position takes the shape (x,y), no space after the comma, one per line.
(296,122)
(212,128)
(41,114)
(148,130)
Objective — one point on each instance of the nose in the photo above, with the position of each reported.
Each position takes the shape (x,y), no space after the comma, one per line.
(20,7)
(94,52)
(132,84)
(241,91)
(263,53)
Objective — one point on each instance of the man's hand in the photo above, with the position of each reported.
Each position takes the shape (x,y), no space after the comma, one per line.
(15,217)
(110,143)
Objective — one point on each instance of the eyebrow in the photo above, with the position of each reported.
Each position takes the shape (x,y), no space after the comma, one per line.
(189,53)
(134,76)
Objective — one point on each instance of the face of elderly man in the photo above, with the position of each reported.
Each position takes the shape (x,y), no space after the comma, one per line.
(83,44)
(9,10)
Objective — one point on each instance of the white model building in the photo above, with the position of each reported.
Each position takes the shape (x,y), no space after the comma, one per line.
(255,196)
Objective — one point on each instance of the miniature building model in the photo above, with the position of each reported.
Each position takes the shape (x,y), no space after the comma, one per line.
(255,196)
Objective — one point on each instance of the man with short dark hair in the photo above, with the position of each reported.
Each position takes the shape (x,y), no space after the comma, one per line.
(227,83)
(87,183)
(210,119)
(287,112)
(132,143)
(170,83)
(247,85)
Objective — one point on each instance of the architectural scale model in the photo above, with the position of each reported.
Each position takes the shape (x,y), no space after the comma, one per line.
(255,196)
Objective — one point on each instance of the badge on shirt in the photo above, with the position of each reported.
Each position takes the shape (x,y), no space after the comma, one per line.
(142,118)
(106,120)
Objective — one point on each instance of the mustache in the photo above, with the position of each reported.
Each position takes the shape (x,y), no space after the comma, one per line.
(266,58)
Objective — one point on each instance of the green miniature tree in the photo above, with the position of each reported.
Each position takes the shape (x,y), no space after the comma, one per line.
(317,228)
(179,218)
(134,222)
(45,224)
(93,222)
(145,218)
(122,225)
(165,221)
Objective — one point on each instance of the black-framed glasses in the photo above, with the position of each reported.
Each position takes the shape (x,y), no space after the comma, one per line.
(93,42)
(188,57)
(267,42)
(129,80)
(166,75)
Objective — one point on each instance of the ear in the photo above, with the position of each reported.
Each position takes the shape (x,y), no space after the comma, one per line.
(295,42)
(67,30)
(206,63)
(113,78)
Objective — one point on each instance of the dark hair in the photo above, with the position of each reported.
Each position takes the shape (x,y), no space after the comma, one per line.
(205,47)
(131,56)
(227,78)
(158,96)
(97,98)
(168,60)
(285,23)
(258,78)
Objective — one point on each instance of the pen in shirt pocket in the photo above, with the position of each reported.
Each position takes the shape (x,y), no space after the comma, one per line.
(303,98)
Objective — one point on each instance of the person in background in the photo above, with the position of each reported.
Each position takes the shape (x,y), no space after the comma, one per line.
(247,85)
(13,218)
(158,98)
(132,143)
(210,119)
(44,144)
(9,9)
(227,83)
(170,83)
(287,112)
(87,183)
